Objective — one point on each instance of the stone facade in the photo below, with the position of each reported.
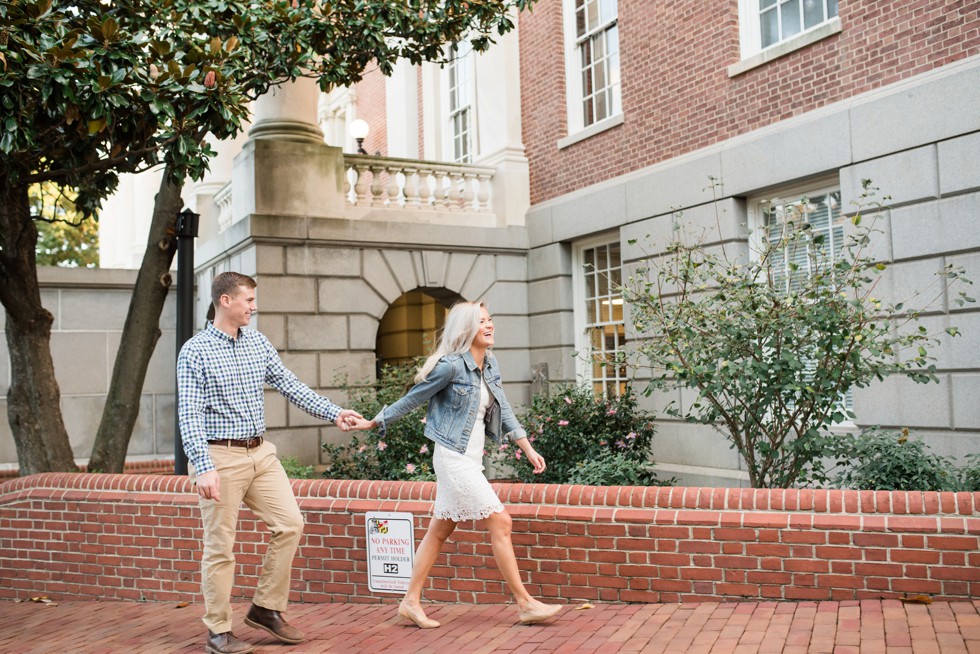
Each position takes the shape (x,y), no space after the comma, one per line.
(89,308)
(914,139)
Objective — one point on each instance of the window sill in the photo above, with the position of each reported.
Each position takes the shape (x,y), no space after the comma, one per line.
(792,44)
(591,130)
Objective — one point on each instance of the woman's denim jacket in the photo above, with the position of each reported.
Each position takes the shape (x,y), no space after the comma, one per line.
(452,389)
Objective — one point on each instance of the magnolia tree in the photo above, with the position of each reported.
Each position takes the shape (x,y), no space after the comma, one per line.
(93,89)
(770,345)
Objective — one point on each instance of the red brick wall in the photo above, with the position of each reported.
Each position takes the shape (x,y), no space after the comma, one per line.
(138,537)
(677,96)
(371,107)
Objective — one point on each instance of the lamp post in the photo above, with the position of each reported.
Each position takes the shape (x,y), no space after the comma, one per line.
(359,129)
(187,224)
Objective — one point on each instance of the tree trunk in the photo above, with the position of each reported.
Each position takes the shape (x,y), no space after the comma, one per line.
(34,399)
(140,333)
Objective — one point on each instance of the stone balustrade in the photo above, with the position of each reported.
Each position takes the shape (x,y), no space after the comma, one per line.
(223,200)
(414,184)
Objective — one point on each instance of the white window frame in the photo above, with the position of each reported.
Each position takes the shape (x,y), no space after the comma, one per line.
(583,344)
(465,64)
(758,238)
(574,96)
(750,37)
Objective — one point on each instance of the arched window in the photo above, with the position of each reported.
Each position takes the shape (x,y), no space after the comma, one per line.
(411,325)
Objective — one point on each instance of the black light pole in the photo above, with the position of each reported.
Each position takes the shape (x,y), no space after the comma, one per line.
(187,223)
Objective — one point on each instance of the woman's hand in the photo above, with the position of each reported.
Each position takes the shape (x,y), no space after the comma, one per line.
(361,424)
(535,459)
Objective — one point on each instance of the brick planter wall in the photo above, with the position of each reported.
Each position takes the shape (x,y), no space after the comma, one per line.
(138,537)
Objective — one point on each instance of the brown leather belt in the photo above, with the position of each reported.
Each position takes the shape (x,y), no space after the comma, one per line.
(247,443)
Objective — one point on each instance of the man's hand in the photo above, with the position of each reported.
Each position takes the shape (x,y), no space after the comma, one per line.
(348,419)
(207,485)
(363,423)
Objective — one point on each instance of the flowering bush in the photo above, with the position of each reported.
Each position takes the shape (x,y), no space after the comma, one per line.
(404,452)
(595,441)
(885,460)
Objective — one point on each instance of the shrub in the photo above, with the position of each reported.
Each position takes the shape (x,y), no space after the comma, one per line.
(770,344)
(887,460)
(603,441)
(404,453)
(611,469)
(296,470)
(970,473)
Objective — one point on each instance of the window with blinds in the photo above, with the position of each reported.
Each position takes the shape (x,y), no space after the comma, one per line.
(793,261)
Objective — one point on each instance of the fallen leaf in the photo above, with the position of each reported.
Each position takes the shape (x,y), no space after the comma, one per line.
(916,599)
(181,605)
(584,606)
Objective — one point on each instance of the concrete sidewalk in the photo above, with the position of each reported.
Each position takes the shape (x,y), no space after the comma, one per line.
(154,628)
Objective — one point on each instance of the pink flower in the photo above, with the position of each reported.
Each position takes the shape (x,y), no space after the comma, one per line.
(361,449)
(503,447)
(424,449)
(631,435)
(410,468)
(517,455)
(611,412)
(382,446)
(568,400)
(602,442)
(620,444)
(562,423)
(422,420)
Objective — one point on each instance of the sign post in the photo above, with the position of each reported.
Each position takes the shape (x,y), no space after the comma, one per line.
(390,551)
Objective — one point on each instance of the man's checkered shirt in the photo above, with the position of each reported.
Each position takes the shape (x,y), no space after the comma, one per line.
(220,382)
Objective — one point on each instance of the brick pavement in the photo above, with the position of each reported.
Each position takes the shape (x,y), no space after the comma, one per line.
(867,626)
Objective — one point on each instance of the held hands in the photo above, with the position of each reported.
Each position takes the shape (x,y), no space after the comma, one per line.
(348,418)
(363,424)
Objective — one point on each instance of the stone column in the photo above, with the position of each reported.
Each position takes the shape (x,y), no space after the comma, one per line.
(285,168)
(288,112)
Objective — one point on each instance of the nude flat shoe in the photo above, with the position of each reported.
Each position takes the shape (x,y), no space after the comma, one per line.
(539,613)
(416,615)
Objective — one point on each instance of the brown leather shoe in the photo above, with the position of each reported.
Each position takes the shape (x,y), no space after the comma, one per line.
(274,623)
(226,643)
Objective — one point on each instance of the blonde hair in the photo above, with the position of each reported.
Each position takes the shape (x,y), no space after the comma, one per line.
(461,327)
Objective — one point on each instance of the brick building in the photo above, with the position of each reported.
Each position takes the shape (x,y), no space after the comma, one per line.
(501,175)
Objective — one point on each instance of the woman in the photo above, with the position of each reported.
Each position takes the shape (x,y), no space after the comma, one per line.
(461,382)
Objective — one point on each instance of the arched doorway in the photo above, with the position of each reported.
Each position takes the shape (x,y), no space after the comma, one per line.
(411,325)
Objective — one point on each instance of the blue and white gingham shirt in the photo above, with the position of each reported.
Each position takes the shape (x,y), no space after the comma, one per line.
(220,383)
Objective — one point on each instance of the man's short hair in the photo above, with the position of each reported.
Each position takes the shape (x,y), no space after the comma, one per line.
(227,283)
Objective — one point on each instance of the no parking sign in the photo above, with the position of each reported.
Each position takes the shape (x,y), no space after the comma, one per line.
(390,551)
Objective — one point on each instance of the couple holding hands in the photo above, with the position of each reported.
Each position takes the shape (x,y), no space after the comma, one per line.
(221,373)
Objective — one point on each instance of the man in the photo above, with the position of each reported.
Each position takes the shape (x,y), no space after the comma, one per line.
(221,374)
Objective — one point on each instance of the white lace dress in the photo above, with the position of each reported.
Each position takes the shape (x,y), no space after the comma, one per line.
(462,491)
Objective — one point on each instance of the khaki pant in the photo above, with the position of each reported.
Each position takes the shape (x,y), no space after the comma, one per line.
(256,477)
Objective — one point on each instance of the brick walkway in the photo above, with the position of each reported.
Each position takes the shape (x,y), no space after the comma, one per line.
(868,627)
